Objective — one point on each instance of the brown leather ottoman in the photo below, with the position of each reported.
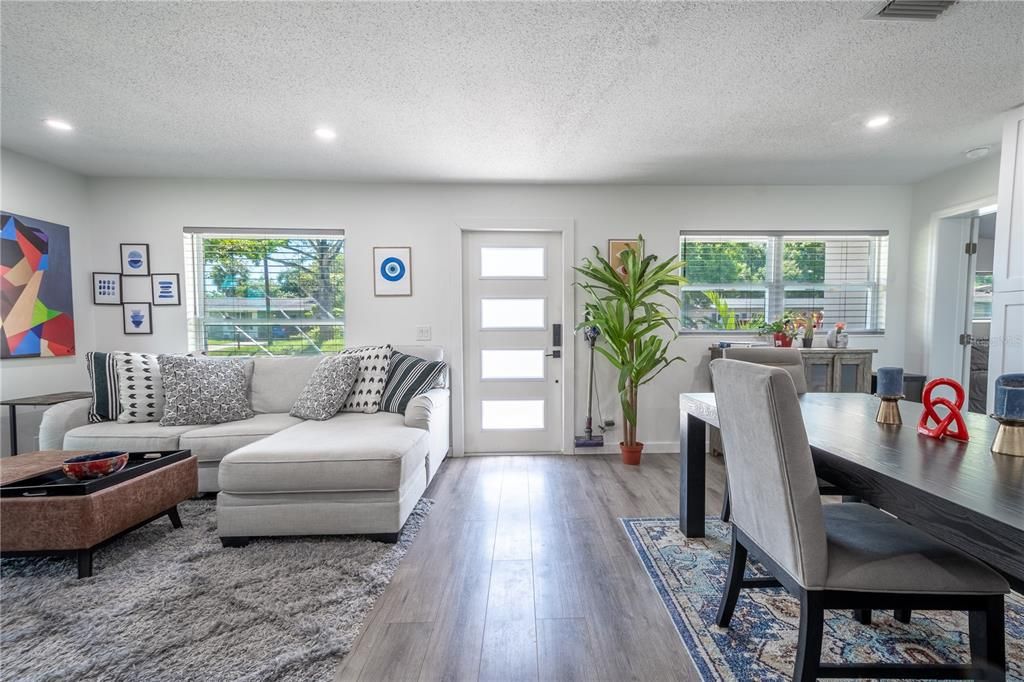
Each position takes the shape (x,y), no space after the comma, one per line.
(35,522)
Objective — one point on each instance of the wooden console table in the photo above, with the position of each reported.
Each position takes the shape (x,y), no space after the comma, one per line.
(832,370)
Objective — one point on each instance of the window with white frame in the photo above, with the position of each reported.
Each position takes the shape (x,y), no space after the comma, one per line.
(270,292)
(734,280)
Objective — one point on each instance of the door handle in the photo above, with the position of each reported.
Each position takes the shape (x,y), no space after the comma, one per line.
(556,354)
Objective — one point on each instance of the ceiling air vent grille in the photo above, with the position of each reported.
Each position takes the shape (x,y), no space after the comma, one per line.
(912,10)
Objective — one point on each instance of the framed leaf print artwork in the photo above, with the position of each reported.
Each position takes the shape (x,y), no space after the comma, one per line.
(615,249)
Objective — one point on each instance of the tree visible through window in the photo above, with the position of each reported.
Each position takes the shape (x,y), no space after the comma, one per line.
(272,294)
(736,282)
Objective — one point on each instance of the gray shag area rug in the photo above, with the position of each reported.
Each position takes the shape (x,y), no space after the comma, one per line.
(168,604)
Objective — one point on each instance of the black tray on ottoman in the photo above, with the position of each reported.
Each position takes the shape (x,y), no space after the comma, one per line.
(56,483)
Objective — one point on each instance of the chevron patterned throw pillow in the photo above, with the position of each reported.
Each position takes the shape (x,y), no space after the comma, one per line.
(140,389)
(373,376)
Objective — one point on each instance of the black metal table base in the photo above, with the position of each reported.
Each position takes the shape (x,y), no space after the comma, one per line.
(84,556)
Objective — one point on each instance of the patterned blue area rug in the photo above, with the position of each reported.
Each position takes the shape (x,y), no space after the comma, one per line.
(761,643)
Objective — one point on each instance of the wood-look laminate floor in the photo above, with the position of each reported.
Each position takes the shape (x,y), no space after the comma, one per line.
(522,572)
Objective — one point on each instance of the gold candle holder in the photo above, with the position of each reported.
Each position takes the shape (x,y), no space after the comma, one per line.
(1009,437)
(889,410)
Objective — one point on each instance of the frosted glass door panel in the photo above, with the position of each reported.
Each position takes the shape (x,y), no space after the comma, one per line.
(512,313)
(512,364)
(511,262)
(512,414)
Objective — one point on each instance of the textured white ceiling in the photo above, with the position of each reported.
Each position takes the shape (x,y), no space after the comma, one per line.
(693,92)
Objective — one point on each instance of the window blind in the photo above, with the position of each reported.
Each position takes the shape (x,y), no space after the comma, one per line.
(735,280)
(265,292)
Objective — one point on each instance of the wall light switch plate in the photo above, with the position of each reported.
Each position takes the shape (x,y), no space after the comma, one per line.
(423,333)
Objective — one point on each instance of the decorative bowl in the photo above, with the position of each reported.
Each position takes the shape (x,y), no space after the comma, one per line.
(97,465)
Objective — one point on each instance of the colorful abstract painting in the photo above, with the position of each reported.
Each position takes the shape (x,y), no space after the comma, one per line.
(36,312)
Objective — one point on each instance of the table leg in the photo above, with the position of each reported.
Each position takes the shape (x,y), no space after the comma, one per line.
(692,432)
(85,563)
(13,412)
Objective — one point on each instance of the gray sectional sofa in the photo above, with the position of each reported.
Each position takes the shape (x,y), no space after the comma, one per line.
(280,475)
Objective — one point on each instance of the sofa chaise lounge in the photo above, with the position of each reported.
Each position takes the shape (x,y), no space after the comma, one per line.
(275,474)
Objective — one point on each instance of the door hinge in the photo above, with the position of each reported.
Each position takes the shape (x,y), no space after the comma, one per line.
(966,339)
(971,248)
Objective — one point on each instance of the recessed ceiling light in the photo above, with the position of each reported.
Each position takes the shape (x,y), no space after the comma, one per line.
(325,133)
(977,152)
(878,121)
(985,210)
(58,124)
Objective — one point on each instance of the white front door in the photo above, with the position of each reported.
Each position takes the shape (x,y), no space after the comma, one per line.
(512,321)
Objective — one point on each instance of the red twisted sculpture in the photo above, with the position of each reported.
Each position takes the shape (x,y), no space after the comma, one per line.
(941,427)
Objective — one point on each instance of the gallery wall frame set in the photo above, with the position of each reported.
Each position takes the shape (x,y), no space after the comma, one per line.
(392,271)
(137,316)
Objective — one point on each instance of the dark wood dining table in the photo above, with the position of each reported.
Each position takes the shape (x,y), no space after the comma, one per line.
(959,492)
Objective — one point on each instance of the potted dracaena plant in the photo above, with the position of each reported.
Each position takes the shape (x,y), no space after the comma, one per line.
(636,325)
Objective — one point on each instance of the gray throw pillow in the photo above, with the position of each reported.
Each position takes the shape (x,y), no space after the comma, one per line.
(204,390)
(327,388)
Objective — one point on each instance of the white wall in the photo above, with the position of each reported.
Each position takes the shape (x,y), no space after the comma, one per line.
(424,217)
(41,190)
(932,273)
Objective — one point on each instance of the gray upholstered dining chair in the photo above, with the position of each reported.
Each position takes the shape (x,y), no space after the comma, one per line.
(836,556)
(790,360)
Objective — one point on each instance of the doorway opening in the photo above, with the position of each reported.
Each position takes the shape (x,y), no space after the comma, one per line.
(962,304)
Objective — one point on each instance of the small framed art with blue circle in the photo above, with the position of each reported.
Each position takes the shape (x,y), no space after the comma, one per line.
(166,288)
(392,271)
(135,260)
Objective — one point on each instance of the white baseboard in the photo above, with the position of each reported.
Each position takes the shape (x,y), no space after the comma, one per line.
(653,447)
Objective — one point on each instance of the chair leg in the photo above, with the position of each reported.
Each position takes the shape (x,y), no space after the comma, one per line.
(988,639)
(812,628)
(902,615)
(862,616)
(733,582)
(726,504)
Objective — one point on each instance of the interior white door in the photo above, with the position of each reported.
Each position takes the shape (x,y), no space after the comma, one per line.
(512,322)
(1006,345)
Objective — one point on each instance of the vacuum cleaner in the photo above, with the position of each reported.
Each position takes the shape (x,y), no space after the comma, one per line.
(589,440)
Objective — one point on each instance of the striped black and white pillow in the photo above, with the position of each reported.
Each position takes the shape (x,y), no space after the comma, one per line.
(408,377)
(106,403)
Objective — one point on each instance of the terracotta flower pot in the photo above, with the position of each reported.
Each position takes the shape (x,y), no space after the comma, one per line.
(631,453)
(783,341)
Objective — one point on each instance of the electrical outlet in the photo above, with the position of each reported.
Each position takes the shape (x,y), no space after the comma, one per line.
(609,423)
(423,332)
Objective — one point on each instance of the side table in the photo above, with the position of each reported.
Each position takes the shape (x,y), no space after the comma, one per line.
(37,401)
